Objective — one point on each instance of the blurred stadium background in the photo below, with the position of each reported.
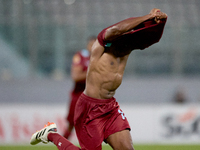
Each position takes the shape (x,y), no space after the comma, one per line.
(39,37)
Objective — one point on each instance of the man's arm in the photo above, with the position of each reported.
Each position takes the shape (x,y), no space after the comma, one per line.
(128,24)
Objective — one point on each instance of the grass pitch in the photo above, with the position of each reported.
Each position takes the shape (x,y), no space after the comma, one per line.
(107,147)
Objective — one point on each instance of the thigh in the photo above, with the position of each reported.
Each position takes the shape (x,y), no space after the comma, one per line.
(90,135)
(89,130)
(120,140)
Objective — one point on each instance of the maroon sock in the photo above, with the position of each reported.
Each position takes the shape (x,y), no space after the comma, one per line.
(61,142)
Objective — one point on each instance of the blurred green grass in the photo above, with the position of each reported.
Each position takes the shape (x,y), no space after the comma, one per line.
(107,147)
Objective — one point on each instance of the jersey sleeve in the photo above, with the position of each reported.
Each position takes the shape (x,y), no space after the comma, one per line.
(101,35)
(101,39)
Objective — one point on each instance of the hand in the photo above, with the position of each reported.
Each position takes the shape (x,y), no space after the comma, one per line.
(153,11)
(157,14)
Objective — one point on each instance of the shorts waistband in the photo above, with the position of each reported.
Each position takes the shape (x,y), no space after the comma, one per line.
(91,99)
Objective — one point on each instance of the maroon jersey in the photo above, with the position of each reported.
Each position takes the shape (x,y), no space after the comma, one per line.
(141,37)
(81,58)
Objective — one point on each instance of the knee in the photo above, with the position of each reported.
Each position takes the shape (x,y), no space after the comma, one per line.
(128,148)
(127,145)
(124,146)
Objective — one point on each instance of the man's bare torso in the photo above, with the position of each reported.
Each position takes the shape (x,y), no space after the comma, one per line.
(105,73)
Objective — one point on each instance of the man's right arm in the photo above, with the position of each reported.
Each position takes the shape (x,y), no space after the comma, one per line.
(126,25)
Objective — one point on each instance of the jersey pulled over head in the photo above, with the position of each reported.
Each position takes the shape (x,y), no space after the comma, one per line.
(140,37)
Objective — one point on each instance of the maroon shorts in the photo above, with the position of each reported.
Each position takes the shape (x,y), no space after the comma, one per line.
(96,119)
(74,97)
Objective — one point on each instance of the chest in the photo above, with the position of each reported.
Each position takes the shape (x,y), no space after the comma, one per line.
(109,63)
